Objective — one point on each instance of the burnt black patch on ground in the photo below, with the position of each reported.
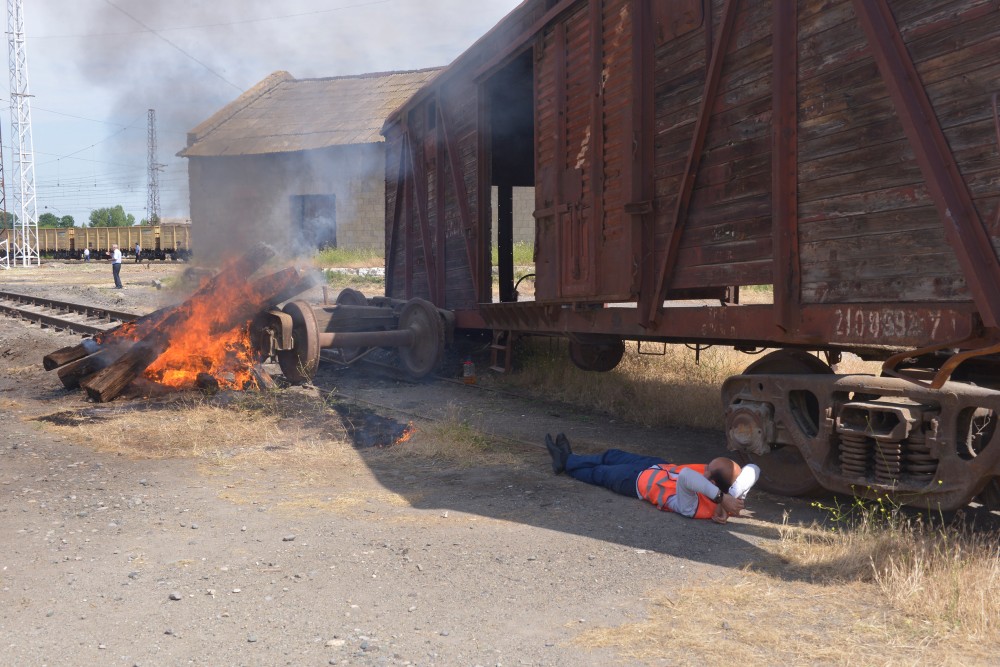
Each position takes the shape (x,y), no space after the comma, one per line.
(367,429)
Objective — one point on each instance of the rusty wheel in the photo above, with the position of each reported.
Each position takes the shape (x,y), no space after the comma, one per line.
(300,363)
(351,297)
(427,350)
(783,471)
(990,496)
(599,357)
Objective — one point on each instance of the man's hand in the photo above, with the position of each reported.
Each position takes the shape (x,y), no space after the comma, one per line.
(720,515)
(730,505)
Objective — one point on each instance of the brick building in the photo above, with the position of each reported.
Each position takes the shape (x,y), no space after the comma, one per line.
(299,163)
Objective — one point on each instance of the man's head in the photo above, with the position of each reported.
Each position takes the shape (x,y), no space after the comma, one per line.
(722,472)
(114,246)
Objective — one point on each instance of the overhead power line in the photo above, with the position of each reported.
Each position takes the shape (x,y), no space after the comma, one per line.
(182,51)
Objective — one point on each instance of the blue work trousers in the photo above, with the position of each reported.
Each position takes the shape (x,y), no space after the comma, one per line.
(614,469)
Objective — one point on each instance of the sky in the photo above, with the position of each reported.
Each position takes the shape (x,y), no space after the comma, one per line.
(96,67)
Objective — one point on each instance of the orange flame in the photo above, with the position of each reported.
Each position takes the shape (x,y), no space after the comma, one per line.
(207,342)
(228,358)
(407,434)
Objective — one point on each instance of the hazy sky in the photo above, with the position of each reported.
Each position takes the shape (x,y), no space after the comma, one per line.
(96,67)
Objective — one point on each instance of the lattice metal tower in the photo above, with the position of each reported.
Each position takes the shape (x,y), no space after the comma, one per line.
(25,238)
(6,233)
(152,179)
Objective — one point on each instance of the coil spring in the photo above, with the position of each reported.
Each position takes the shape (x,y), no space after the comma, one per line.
(854,454)
(860,455)
(888,460)
(919,460)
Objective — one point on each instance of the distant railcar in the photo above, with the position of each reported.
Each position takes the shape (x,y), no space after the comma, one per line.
(163,241)
(844,153)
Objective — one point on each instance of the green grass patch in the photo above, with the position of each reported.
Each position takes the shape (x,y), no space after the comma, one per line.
(524,254)
(356,258)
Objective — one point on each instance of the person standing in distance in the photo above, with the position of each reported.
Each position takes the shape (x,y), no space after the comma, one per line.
(86,255)
(138,252)
(116,265)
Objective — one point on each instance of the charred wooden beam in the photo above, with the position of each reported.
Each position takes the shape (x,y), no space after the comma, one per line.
(110,381)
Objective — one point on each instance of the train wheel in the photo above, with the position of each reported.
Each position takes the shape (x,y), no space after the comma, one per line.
(427,350)
(351,297)
(597,357)
(990,496)
(300,363)
(783,471)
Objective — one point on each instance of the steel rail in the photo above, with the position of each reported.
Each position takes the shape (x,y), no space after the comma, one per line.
(66,315)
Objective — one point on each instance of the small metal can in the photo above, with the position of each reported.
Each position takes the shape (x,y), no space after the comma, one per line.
(469,372)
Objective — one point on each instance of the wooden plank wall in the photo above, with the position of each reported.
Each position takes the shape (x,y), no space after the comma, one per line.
(727,235)
(616,272)
(458,90)
(462,106)
(576,233)
(869,231)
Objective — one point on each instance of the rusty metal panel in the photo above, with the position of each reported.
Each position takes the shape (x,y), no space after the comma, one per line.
(612,101)
(575,219)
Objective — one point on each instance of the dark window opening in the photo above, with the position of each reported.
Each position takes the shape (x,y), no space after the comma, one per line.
(314,222)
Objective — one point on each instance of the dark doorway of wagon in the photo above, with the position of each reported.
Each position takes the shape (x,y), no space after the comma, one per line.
(509,117)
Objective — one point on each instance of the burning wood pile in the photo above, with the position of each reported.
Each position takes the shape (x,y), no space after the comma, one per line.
(202,341)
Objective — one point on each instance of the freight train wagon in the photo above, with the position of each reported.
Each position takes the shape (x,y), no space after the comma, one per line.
(163,241)
(842,152)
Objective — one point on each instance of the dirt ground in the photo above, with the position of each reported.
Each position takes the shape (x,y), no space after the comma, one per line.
(294,546)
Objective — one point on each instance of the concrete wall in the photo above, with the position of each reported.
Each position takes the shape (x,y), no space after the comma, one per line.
(238,201)
(524,219)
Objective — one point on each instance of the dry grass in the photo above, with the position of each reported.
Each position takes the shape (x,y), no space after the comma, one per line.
(662,386)
(292,431)
(665,385)
(945,578)
(889,592)
(756,619)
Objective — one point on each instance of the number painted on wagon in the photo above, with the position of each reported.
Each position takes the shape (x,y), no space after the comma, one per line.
(875,325)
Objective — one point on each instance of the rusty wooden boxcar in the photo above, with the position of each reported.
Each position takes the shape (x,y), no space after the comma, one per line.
(844,152)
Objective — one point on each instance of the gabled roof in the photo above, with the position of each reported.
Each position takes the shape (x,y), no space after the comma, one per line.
(283,114)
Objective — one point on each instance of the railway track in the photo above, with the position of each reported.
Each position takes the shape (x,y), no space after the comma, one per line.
(62,315)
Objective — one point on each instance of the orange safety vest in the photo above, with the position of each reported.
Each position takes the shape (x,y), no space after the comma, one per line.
(659,483)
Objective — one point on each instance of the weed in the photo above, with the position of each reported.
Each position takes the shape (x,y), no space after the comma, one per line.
(353,258)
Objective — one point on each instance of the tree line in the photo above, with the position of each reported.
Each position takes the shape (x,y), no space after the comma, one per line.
(100,217)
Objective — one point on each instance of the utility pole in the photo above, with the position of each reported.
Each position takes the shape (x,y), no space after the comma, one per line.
(152,170)
(25,237)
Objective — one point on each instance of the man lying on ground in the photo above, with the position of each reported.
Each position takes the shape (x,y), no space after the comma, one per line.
(694,490)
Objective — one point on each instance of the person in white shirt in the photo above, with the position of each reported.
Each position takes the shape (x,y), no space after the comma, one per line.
(116,265)
(86,255)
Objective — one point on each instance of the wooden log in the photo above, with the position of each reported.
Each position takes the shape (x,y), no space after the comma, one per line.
(73,373)
(107,383)
(128,330)
(65,355)
(263,379)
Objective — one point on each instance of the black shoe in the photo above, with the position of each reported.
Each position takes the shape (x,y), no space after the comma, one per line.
(562,442)
(558,455)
